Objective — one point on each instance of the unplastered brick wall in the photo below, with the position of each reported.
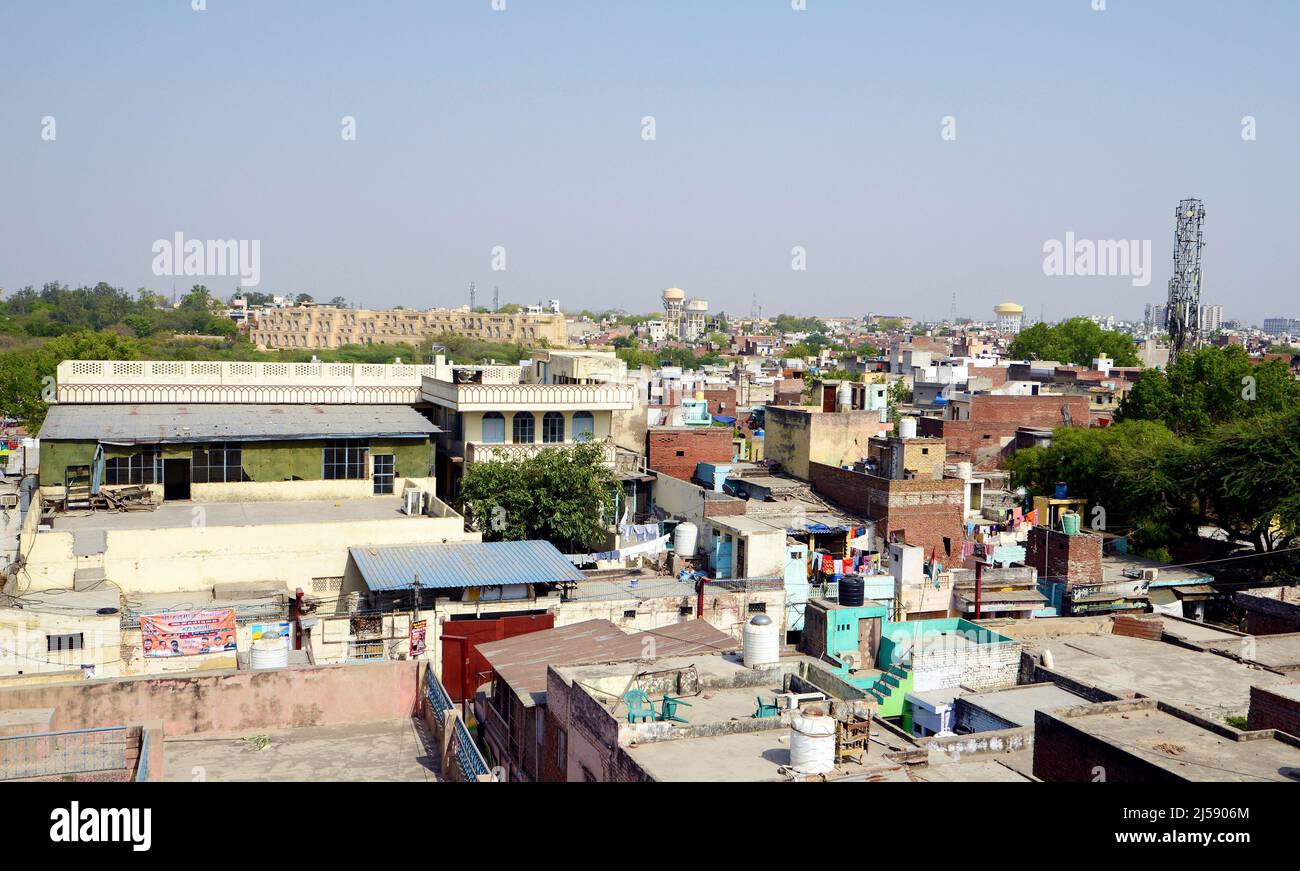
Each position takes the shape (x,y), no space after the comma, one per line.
(989,435)
(677,451)
(972,718)
(1074,559)
(925,511)
(941,665)
(1270,710)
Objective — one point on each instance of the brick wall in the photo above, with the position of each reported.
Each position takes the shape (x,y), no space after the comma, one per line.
(1148,626)
(721,400)
(1064,753)
(1268,710)
(925,512)
(676,451)
(972,718)
(998,374)
(1076,559)
(989,436)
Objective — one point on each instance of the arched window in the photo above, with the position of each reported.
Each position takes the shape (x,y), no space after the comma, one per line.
(524,422)
(494,428)
(584,426)
(552,427)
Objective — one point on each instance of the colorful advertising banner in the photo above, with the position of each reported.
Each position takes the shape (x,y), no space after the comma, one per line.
(188,633)
(270,630)
(418,629)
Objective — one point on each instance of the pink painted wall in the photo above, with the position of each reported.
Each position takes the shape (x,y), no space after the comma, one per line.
(230,701)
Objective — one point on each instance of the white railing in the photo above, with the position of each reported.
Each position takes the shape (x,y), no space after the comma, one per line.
(530,397)
(483,452)
(207,372)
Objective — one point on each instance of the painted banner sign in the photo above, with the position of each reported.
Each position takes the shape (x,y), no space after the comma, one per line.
(418,629)
(270,630)
(188,633)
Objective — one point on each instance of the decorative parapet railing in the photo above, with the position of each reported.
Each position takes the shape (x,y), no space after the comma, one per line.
(126,381)
(52,754)
(461,758)
(530,397)
(483,452)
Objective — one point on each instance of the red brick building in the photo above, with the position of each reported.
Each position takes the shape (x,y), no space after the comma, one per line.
(677,450)
(1074,559)
(981,429)
(921,512)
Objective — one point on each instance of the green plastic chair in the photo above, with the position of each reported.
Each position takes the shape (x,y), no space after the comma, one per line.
(639,706)
(668,709)
(765,710)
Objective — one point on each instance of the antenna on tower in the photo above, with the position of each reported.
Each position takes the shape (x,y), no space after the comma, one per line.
(954,308)
(1185,285)
(496,298)
(471,296)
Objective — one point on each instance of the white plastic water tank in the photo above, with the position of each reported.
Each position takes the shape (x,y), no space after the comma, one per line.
(844,397)
(965,471)
(812,743)
(907,428)
(685,538)
(762,646)
(270,653)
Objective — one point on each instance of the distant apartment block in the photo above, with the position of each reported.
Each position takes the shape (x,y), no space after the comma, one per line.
(1281,326)
(311,326)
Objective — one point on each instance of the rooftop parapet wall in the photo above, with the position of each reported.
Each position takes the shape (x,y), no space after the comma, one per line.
(132,381)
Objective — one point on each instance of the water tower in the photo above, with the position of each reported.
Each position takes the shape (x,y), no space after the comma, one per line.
(1010,315)
(674,299)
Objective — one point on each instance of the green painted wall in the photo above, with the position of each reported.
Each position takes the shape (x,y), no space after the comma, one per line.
(412,457)
(263,461)
(57,456)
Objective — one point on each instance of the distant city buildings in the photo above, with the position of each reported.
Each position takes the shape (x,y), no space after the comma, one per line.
(1281,326)
(313,326)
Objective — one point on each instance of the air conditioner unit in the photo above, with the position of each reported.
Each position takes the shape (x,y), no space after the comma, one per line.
(1150,574)
(413,502)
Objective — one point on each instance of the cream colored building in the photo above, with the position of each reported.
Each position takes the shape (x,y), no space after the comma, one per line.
(560,398)
(311,326)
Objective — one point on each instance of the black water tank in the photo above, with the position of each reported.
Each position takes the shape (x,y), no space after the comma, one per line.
(852,590)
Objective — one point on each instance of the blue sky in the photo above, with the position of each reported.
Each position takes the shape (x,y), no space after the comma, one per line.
(774,128)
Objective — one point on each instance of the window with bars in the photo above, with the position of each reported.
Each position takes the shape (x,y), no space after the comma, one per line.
(552,427)
(219,463)
(523,428)
(60,643)
(345,459)
(142,468)
(384,473)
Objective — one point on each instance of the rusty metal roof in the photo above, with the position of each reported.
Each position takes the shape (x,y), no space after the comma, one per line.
(522,661)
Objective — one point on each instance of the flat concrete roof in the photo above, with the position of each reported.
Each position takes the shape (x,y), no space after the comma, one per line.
(743,757)
(1199,681)
(994,769)
(1197,633)
(1017,704)
(180,515)
(1113,566)
(1189,750)
(379,751)
(1278,652)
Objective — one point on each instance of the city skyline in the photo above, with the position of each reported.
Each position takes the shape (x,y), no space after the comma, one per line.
(895,153)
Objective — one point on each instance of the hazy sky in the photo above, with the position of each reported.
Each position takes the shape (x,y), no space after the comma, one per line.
(774,128)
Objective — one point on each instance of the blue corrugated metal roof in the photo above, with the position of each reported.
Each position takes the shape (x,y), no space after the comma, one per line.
(463,564)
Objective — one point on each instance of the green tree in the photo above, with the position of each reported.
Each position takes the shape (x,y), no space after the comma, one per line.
(561,495)
(1208,387)
(1077,341)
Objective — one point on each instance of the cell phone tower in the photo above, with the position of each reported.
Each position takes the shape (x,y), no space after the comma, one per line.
(1185,285)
